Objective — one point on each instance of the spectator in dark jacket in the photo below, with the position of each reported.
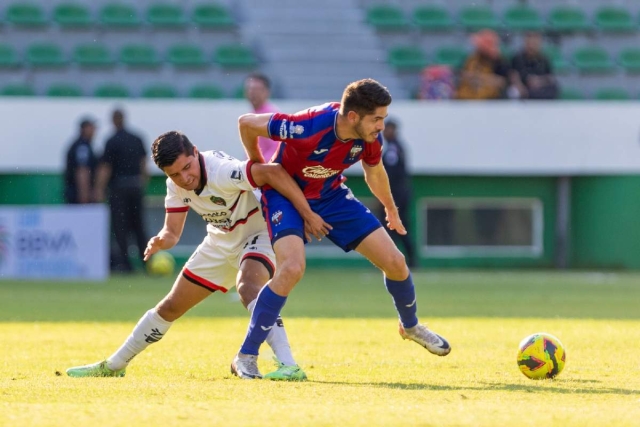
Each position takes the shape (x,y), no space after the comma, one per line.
(531,71)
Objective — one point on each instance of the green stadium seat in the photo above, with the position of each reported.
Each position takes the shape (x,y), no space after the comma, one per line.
(614,19)
(26,15)
(523,18)
(64,90)
(569,94)
(164,15)
(407,58)
(630,60)
(593,60)
(8,57)
(432,18)
(45,55)
(559,64)
(474,18)
(212,16)
(112,90)
(568,19)
(452,56)
(72,15)
(159,91)
(235,56)
(612,94)
(119,16)
(187,56)
(206,91)
(139,56)
(17,89)
(387,18)
(93,56)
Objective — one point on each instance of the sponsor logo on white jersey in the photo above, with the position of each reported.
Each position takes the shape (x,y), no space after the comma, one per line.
(319,172)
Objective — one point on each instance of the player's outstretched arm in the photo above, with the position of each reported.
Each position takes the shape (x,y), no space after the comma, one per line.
(274,175)
(168,236)
(378,181)
(251,126)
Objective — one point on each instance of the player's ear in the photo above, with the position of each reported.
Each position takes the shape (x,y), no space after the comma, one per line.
(352,116)
(195,151)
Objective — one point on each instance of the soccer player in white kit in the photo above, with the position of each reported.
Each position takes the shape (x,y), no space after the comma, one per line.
(236,251)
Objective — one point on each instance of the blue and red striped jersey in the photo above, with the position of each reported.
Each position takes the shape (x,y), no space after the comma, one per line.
(313,154)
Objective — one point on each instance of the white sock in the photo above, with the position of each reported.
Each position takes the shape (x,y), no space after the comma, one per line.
(150,329)
(277,339)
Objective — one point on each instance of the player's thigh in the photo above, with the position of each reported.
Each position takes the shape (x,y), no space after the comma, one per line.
(210,267)
(183,296)
(281,217)
(257,266)
(378,247)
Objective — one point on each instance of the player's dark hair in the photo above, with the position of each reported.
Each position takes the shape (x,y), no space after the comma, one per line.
(260,77)
(168,147)
(363,97)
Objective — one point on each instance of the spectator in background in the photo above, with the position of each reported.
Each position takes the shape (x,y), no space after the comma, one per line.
(485,73)
(81,166)
(531,70)
(257,90)
(123,169)
(436,83)
(394,161)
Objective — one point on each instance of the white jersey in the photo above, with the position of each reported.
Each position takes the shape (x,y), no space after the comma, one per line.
(226,201)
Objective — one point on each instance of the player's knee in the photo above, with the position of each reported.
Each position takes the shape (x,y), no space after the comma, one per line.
(292,271)
(248,291)
(396,266)
(168,310)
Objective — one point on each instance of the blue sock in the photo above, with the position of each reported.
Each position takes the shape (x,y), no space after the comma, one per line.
(265,313)
(404,297)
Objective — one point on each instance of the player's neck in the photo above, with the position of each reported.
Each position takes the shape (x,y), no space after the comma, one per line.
(343,130)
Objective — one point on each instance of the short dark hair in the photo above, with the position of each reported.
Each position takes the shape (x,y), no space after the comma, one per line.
(168,147)
(363,97)
(261,77)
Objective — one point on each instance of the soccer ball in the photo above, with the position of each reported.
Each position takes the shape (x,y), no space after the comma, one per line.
(161,264)
(541,356)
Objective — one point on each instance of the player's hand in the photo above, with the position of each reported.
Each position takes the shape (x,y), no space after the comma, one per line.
(315,226)
(154,245)
(394,222)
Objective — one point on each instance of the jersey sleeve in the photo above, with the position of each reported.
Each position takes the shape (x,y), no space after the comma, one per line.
(233,175)
(291,127)
(173,202)
(373,152)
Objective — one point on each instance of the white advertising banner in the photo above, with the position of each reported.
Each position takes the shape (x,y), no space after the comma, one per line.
(54,242)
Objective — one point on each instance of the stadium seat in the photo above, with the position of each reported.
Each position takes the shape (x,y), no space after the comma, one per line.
(452,56)
(93,56)
(407,58)
(238,93)
(187,56)
(119,16)
(212,16)
(159,91)
(164,15)
(474,18)
(45,55)
(111,90)
(568,19)
(206,91)
(26,15)
(139,56)
(17,89)
(569,94)
(235,56)
(72,15)
(523,18)
(432,18)
(387,18)
(612,94)
(593,60)
(8,57)
(630,60)
(614,19)
(64,90)
(558,63)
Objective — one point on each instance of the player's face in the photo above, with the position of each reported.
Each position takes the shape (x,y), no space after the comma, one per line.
(369,127)
(185,171)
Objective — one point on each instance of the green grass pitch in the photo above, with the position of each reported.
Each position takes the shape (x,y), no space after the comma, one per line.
(343,331)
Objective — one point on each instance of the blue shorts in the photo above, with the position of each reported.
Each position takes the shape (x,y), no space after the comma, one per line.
(351,220)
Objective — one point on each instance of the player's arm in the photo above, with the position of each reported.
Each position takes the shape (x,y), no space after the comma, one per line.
(169,235)
(275,176)
(378,181)
(251,126)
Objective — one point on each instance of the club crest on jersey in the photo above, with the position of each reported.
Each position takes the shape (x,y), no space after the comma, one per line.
(218,201)
(355,150)
(295,129)
(276,217)
(236,174)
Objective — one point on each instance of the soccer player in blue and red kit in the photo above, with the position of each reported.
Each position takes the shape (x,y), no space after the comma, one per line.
(317,145)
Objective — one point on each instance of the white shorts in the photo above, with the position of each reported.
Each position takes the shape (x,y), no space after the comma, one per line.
(215,266)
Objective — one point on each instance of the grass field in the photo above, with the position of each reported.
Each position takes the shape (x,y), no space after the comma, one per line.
(343,330)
